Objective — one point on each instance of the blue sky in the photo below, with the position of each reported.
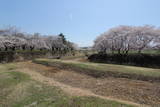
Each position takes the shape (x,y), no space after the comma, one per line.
(80,20)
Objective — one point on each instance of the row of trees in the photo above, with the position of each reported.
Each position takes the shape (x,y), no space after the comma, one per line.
(12,39)
(123,39)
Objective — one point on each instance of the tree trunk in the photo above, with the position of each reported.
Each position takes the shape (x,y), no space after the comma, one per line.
(13,48)
(6,48)
(127,52)
(119,51)
(139,51)
(31,48)
(23,47)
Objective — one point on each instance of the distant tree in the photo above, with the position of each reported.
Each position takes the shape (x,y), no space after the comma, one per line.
(2,46)
(142,37)
(61,35)
(126,38)
(12,39)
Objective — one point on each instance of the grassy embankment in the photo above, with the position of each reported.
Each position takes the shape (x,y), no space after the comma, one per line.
(105,70)
(19,90)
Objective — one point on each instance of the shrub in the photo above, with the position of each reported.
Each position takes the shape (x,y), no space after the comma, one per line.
(145,60)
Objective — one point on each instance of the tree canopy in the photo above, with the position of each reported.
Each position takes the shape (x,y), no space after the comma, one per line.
(126,38)
(13,39)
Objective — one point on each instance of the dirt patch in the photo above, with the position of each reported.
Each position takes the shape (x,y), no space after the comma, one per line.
(126,89)
(80,84)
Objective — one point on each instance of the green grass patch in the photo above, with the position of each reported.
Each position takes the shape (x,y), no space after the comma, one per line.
(43,96)
(7,67)
(8,82)
(72,57)
(9,79)
(120,69)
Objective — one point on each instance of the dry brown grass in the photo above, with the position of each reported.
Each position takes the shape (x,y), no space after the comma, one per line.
(115,88)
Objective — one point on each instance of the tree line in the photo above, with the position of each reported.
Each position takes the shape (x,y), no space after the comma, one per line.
(11,39)
(123,39)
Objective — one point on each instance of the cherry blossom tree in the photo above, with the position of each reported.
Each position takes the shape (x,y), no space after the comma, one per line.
(125,38)
(13,39)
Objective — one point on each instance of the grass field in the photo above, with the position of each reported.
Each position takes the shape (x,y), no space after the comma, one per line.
(105,68)
(18,90)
